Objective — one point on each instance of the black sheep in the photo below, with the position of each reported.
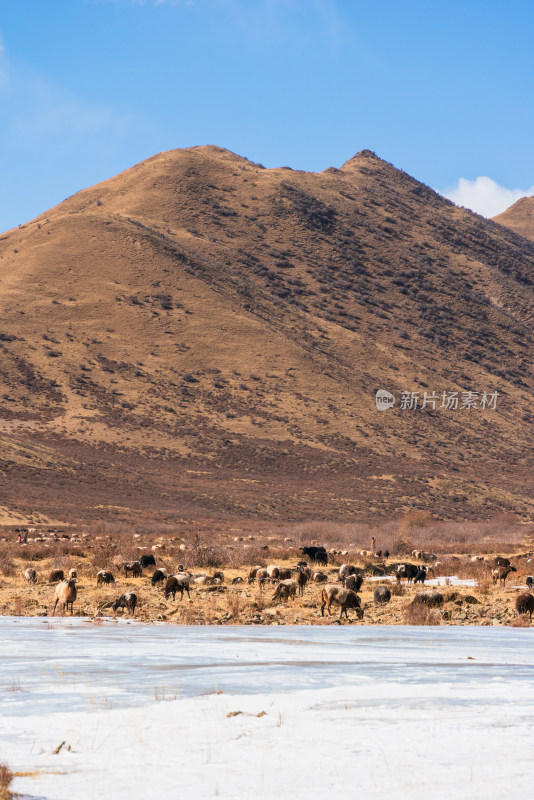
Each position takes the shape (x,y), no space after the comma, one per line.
(147,561)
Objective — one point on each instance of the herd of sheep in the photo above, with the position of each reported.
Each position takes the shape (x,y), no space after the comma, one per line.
(288,582)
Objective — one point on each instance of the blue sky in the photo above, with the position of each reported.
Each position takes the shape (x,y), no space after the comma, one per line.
(90,87)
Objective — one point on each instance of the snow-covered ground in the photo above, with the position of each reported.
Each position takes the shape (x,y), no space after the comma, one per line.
(409,712)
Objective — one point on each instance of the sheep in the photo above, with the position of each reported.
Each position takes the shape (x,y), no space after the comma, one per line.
(127,600)
(302,580)
(72,574)
(147,561)
(65,595)
(525,604)
(273,572)
(285,589)
(353,582)
(104,577)
(252,573)
(501,573)
(319,577)
(31,575)
(501,561)
(345,598)
(177,583)
(218,575)
(261,576)
(159,576)
(530,582)
(382,595)
(432,598)
(421,575)
(284,574)
(134,567)
(237,580)
(56,575)
(347,569)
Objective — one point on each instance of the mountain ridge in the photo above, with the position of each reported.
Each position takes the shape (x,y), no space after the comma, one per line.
(200,315)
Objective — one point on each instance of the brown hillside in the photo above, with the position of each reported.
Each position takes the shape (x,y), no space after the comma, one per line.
(200,337)
(519,217)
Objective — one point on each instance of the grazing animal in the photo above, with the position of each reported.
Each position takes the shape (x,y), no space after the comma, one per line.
(104,577)
(501,561)
(273,572)
(302,580)
(525,604)
(252,573)
(317,554)
(128,601)
(421,575)
(159,576)
(237,580)
(320,577)
(174,584)
(386,553)
(382,595)
(353,582)
(284,574)
(345,598)
(501,573)
(285,589)
(31,575)
(134,567)
(56,575)
(432,598)
(408,571)
(72,574)
(147,561)
(345,570)
(530,581)
(261,576)
(219,576)
(65,595)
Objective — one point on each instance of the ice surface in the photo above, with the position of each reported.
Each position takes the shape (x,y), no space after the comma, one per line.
(447,711)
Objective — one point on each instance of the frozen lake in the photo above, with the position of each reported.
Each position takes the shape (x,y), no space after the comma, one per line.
(143,709)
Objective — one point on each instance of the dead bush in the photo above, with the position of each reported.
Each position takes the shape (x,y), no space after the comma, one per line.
(7,565)
(420,614)
(520,622)
(6,776)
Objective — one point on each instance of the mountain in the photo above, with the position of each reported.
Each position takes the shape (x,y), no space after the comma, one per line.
(519,217)
(201,338)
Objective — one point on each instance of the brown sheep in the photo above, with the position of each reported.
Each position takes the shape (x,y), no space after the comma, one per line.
(134,567)
(353,582)
(65,595)
(252,573)
(261,577)
(273,572)
(501,573)
(302,580)
(285,589)
(56,575)
(524,604)
(31,575)
(320,577)
(345,598)
(128,601)
(177,584)
(72,574)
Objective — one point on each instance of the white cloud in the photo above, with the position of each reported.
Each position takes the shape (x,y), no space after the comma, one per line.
(484,195)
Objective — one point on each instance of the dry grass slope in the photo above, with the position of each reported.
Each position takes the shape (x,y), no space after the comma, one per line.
(200,338)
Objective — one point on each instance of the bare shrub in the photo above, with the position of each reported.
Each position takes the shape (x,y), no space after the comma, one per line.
(6,776)
(233,601)
(397,590)
(204,553)
(420,614)
(520,622)
(7,565)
